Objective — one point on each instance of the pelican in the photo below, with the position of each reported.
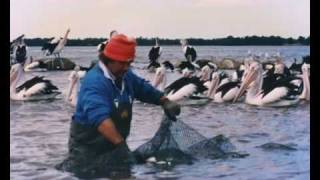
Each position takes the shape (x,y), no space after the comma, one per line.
(306,82)
(221,89)
(277,94)
(185,87)
(38,65)
(49,46)
(188,50)
(237,75)
(36,88)
(154,54)
(281,68)
(204,62)
(295,67)
(55,46)
(160,78)
(74,87)
(189,65)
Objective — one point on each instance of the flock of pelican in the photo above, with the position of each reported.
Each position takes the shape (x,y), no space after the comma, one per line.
(255,83)
(261,84)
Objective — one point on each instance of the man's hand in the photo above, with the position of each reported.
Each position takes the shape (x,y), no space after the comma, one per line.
(171,109)
(122,154)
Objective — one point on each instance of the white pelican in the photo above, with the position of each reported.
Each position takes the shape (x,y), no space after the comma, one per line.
(38,65)
(55,46)
(185,87)
(154,54)
(36,88)
(221,89)
(187,90)
(188,50)
(74,87)
(237,75)
(160,78)
(278,94)
(306,82)
(187,64)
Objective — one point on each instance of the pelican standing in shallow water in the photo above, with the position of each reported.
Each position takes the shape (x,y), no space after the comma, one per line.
(279,94)
(36,88)
(55,47)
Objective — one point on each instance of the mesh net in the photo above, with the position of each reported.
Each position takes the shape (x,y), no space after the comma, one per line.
(179,143)
(173,143)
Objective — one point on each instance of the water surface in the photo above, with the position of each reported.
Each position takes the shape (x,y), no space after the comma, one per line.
(39,130)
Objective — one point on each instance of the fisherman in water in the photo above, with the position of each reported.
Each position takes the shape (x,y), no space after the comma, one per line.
(101,124)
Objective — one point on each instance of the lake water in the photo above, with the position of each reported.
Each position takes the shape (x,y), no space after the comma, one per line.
(39,130)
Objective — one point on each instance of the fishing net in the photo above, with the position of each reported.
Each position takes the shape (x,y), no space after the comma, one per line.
(173,143)
(176,142)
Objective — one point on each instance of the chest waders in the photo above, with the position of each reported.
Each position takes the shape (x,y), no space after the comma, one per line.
(90,154)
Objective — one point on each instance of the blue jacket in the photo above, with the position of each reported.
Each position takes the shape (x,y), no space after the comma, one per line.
(99,93)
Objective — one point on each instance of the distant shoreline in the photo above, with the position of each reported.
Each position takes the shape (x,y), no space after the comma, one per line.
(228,41)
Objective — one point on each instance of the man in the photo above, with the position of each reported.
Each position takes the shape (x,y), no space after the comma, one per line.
(101,123)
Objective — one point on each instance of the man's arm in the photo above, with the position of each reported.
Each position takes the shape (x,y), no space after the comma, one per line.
(109,131)
(144,91)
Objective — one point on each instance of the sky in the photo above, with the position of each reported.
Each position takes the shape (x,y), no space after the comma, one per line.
(163,18)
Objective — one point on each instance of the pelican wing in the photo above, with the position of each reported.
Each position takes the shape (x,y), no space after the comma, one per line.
(29,83)
(227,87)
(35,89)
(271,84)
(275,95)
(185,91)
(180,83)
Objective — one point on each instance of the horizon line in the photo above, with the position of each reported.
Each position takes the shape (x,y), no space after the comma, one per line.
(141,37)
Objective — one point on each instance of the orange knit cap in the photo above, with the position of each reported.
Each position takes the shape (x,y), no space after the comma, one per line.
(120,48)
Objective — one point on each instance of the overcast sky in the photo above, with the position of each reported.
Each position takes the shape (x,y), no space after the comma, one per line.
(162,18)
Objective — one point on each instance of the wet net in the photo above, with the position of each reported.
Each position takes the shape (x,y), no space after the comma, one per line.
(174,143)
(178,143)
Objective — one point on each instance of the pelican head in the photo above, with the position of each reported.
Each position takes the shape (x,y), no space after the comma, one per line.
(214,83)
(183,42)
(160,78)
(15,71)
(205,73)
(187,72)
(250,77)
(306,82)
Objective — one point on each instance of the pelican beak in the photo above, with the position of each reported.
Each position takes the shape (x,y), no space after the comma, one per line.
(158,79)
(213,87)
(13,75)
(250,76)
(73,82)
(306,83)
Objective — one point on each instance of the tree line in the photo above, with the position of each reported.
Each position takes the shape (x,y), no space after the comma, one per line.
(228,41)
